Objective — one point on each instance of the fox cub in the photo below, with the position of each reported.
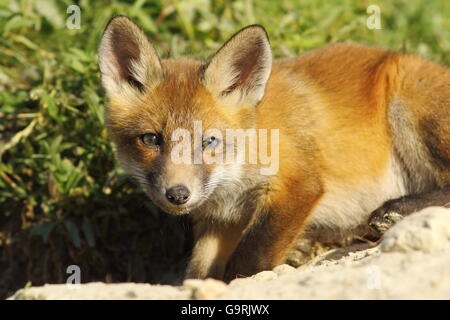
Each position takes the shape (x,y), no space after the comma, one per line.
(340,140)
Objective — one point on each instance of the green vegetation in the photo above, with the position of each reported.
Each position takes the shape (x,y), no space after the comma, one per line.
(63,200)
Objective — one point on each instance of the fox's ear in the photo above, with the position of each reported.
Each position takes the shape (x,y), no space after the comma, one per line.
(238,72)
(128,61)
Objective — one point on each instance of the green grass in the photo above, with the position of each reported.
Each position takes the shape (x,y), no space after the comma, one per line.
(63,200)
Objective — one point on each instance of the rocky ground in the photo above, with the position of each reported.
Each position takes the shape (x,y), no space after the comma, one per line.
(412,261)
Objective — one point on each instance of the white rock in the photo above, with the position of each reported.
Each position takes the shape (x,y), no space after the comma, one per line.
(205,289)
(241,282)
(192,284)
(265,275)
(426,230)
(102,291)
(283,269)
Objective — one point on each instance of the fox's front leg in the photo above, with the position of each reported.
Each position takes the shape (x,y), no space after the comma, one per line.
(268,240)
(394,210)
(214,244)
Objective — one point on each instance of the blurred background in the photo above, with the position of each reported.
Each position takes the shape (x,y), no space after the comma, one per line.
(63,199)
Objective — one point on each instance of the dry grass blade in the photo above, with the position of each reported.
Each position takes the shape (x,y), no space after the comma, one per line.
(18,137)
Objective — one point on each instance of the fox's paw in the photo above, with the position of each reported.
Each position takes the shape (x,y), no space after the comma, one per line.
(386,216)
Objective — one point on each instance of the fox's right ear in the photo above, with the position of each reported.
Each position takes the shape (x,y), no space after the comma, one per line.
(128,61)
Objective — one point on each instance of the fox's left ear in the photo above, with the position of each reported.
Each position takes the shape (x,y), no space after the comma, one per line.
(238,72)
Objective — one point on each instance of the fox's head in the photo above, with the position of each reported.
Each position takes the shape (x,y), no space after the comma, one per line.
(154,105)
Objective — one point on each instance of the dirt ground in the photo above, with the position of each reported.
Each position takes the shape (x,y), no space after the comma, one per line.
(412,261)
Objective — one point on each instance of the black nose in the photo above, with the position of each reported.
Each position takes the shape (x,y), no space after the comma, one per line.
(178,194)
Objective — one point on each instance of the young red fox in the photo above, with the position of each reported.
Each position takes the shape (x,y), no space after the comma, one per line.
(363,137)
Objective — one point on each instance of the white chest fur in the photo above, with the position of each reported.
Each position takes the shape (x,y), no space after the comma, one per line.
(345,208)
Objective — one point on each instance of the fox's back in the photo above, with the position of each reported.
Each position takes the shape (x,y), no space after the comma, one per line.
(360,113)
(343,97)
(334,97)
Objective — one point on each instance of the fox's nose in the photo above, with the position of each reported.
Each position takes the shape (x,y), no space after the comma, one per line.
(178,194)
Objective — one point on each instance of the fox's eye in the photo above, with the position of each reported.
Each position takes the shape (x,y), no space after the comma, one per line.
(210,143)
(150,140)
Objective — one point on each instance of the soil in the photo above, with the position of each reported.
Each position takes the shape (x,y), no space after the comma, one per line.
(411,261)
